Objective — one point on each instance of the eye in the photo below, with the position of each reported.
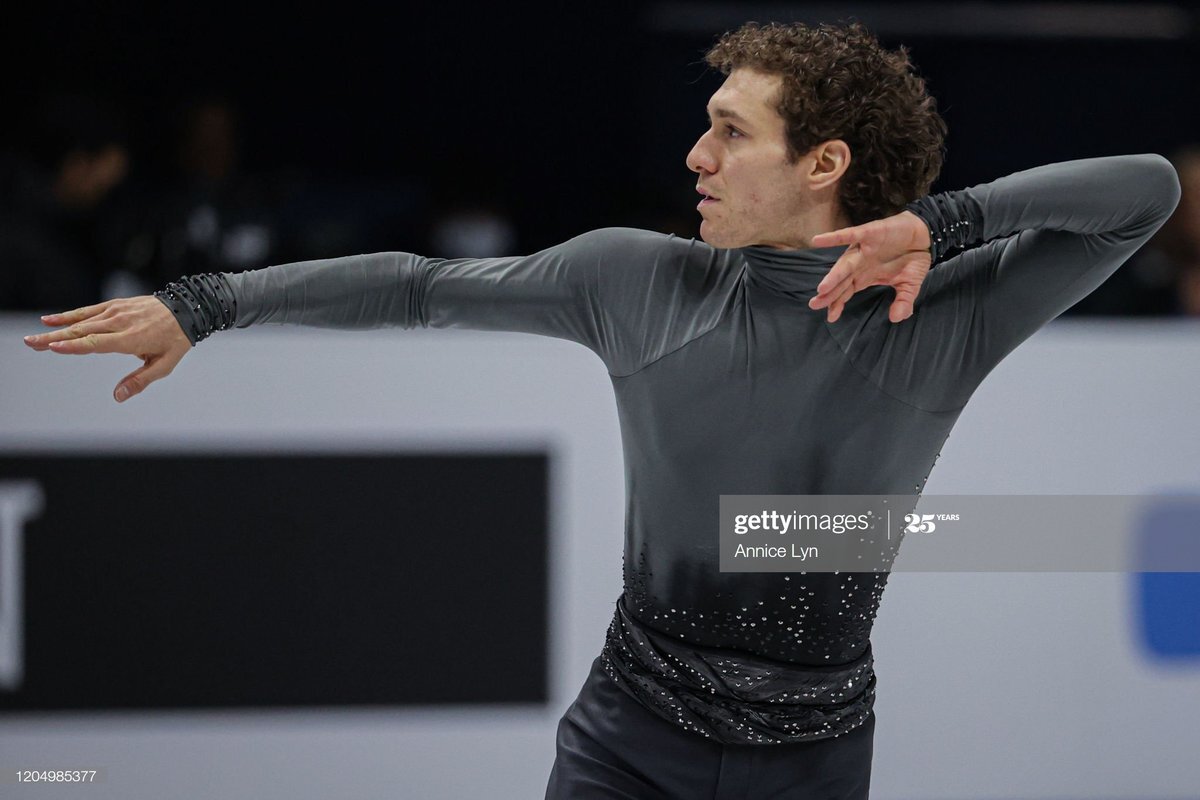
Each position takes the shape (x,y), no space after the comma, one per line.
(727,130)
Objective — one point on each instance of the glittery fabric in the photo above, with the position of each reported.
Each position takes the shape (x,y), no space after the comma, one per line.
(954,219)
(733,697)
(609,746)
(201,304)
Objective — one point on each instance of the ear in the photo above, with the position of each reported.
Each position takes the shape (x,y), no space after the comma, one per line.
(830,160)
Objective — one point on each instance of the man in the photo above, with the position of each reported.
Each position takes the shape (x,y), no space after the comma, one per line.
(804,347)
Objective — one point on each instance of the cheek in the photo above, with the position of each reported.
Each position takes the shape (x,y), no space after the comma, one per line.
(759,192)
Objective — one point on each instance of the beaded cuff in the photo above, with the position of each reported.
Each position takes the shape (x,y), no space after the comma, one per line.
(954,220)
(201,304)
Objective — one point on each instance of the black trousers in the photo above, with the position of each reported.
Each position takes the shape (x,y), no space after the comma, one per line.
(610,747)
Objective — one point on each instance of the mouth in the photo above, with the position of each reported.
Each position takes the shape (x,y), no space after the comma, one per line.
(706,198)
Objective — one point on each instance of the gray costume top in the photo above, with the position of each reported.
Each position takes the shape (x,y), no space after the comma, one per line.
(727,383)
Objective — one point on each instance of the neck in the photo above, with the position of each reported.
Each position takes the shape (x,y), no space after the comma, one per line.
(820,218)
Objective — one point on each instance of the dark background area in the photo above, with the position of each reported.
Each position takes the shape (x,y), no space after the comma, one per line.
(283,580)
(565,118)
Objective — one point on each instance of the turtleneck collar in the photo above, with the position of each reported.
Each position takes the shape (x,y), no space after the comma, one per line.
(791,273)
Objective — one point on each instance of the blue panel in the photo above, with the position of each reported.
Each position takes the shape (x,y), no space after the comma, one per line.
(1168,603)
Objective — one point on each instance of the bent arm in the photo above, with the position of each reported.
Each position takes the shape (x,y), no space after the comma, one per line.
(1046,237)
(1061,230)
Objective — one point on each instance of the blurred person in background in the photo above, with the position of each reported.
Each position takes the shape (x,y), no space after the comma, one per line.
(71,157)
(479,225)
(215,217)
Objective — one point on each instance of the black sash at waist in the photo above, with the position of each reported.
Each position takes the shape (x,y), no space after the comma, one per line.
(732,696)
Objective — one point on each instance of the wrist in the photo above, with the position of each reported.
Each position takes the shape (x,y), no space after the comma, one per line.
(201,304)
(953,220)
(922,237)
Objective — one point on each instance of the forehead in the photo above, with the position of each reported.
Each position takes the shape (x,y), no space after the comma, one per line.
(749,93)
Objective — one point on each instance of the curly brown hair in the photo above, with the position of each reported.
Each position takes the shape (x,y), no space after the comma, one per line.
(840,83)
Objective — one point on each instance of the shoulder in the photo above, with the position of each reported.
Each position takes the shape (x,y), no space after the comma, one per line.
(632,261)
(633,253)
(659,291)
(635,243)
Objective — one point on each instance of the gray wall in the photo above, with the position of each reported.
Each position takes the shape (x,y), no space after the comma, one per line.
(990,685)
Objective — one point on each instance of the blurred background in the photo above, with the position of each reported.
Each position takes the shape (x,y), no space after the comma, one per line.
(146,142)
(244,584)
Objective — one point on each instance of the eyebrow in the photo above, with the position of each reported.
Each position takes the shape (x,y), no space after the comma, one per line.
(725,113)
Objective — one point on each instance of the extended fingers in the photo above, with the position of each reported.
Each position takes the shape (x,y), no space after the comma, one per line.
(835,281)
(79,330)
(840,236)
(90,343)
(839,302)
(833,284)
(76,315)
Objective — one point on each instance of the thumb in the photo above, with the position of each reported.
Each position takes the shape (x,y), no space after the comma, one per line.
(136,381)
(902,306)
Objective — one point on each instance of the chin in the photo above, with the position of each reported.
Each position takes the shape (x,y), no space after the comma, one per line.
(723,240)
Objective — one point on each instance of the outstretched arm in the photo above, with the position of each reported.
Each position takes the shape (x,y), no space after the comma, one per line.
(629,295)
(553,293)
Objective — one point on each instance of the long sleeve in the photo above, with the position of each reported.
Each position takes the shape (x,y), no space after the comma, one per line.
(1052,235)
(552,292)
(610,290)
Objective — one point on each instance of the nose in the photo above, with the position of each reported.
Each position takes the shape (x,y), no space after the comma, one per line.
(700,159)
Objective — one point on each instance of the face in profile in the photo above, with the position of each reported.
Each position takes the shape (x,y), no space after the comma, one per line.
(742,163)
(751,193)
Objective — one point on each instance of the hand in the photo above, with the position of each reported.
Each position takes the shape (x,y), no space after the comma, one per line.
(140,326)
(887,252)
